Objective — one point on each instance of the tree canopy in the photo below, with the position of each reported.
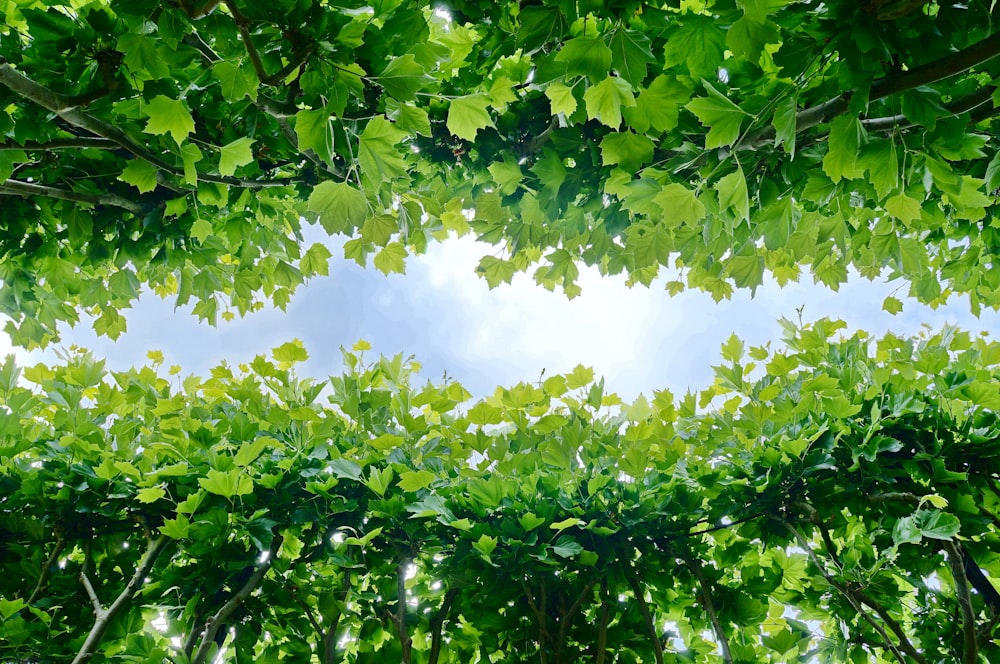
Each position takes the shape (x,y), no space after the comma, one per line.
(839,503)
(834,497)
(175,145)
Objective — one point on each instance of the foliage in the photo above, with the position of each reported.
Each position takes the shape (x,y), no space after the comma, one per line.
(174,145)
(834,498)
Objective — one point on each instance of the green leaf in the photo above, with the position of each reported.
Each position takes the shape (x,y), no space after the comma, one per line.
(586,56)
(140,174)
(467,115)
(150,495)
(606,100)
(784,124)
(290,352)
(485,545)
(377,155)
(176,529)
(235,154)
(315,133)
(935,524)
(717,112)
(680,205)
(658,106)
(496,270)
(699,43)
(402,77)
(249,451)
(507,174)
(747,38)
(892,305)
(630,54)
(566,547)
(903,207)
(168,116)
(530,521)
(392,258)
(379,480)
(572,521)
(746,271)
(561,98)
(315,260)
(379,229)
(733,194)
(190,156)
(843,143)
(581,376)
(415,480)
(236,82)
(226,484)
(626,149)
(341,207)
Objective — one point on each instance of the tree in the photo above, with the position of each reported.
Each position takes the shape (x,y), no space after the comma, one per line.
(174,146)
(832,498)
(839,504)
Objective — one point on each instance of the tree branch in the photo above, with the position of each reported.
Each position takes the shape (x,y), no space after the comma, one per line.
(970,649)
(437,623)
(213,624)
(330,636)
(602,625)
(844,590)
(954,64)
(105,616)
(82,142)
(43,576)
(243,25)
(404,636)
(64,107)
(640,599)
(540,615)
(567,617)
(720,633)
(932,72)
(29,189)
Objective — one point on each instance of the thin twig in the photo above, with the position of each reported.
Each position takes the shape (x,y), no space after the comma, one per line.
(970,649)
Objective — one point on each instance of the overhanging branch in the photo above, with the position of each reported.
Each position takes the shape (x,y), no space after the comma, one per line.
(970,645)
(220,616)
(65,108)
(28,189)
(946,67)
(706,594)
(104,616)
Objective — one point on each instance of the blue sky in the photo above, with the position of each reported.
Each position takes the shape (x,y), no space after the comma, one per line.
(639,339)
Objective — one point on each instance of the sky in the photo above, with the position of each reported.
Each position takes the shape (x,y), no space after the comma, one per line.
(640,339)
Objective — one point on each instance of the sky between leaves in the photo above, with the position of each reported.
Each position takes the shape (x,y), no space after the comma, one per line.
(639,339)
